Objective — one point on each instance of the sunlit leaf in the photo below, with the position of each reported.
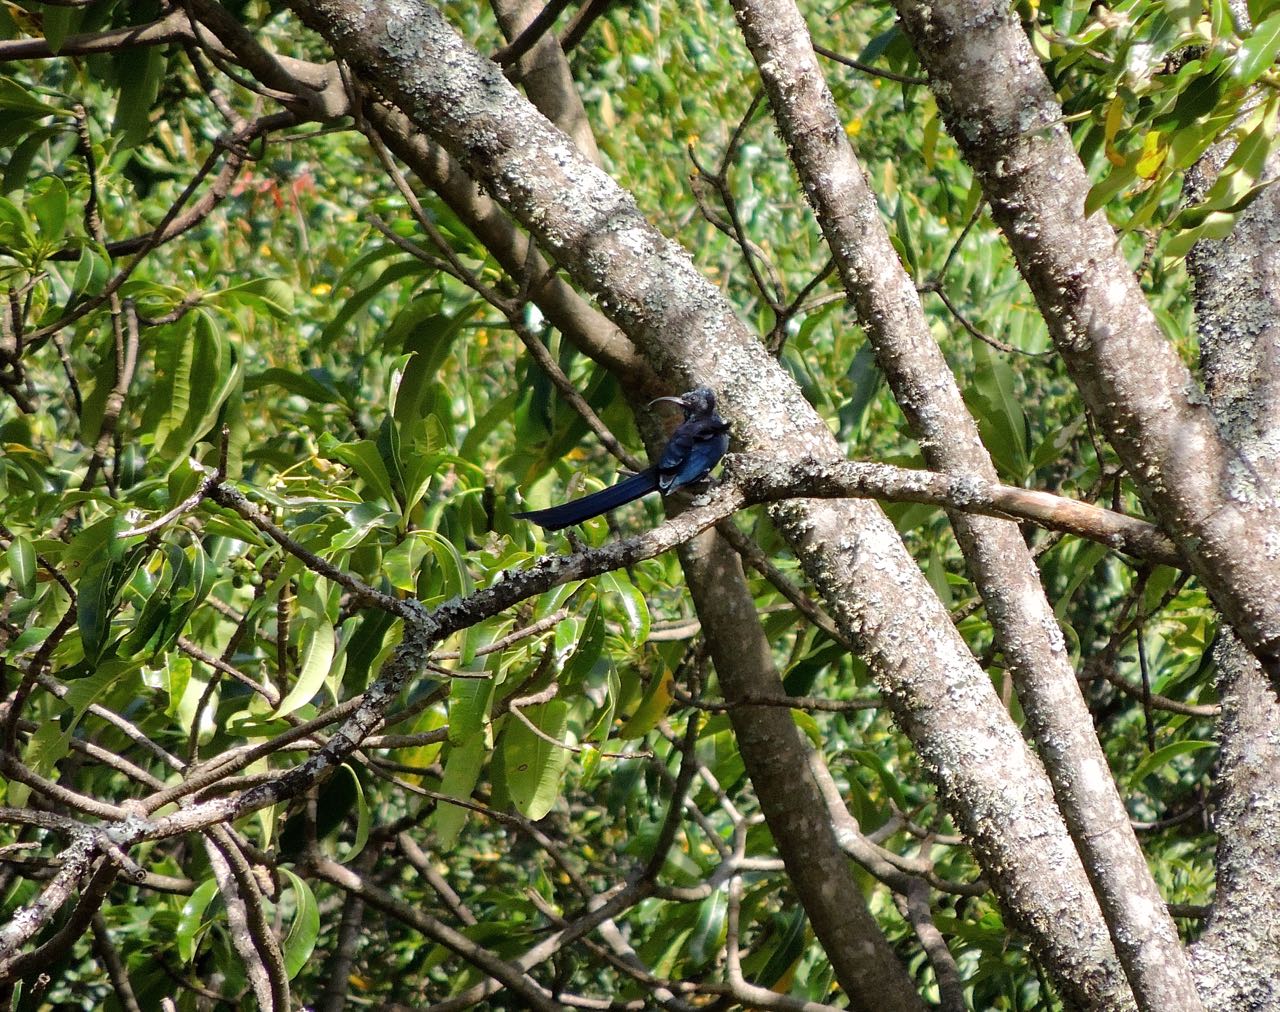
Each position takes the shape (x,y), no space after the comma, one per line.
(191,922)
(317,655)
(21,557)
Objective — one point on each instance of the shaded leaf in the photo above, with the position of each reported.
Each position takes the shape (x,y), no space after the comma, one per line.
(304,928)
(534,766)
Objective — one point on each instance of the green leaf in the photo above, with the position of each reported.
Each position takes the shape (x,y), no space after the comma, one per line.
(633,604)
(901,237)
(1116,180)
(599,731)
(534,766)
(461,771)
(15,229)
(784,951)
(19,166)
(52,740)
(177,677)
(91,269)
(994,399)
(96,598)
(203,372)
(936,573)
(140,73)
(887,779)
(419,470)
(363,458)
(1217,225)
(469,703)
(430,340)
(587,647)
(174,351)
(362,519)
(867,380)
(304,929)
(363,817)
(652,708)
(388,444)
(17,99)
(709,930)
(184,582)
(58,23)
(1235,183)
(21,557)
(1258,52)
(452,569)
(1182,13)
(269,295)
(396,272)
(401,564)
(1165,755)
(1260,10)
(155,613)
(47,200)
(317,655)
(313,384)
(191,920)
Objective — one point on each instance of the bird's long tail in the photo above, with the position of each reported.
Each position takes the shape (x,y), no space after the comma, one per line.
(575,511)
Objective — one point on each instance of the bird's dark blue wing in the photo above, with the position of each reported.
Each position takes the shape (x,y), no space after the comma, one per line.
(692,451)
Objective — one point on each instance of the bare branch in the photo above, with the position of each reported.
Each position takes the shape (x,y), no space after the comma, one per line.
(963,492)
(171,28)
(528,38)
(512,975)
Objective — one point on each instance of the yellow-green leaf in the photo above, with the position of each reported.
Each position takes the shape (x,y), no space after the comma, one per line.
(317,655)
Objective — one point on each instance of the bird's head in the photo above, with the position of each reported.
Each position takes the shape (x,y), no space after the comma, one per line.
(696,402)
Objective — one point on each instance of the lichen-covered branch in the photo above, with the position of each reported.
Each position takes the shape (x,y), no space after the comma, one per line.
(1002,111)
(686,331)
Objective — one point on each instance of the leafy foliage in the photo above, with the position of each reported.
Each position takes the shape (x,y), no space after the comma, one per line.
(383,416)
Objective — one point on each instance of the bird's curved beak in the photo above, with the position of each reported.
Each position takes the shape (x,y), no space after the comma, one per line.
(673,400)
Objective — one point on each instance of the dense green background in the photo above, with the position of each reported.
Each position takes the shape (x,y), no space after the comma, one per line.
(390,421)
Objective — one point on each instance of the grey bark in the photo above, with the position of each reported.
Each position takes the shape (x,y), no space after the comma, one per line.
(772,746)
(1024,624)
(992,782)
(1237,285)
(544,73)
(245,921)
(1003,113)
(776,757)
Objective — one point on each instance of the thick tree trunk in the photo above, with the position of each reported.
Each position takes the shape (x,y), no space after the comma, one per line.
(992,782)
(1001,110)
(772,746)
(776,757)
(1237,283)
(1025,627)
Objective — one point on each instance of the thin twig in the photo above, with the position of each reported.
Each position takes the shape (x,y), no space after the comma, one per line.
(527,39)
(809,703)
(867,68)
(936,288)
(519,714)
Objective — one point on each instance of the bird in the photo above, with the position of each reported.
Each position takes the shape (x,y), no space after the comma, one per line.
(695,447)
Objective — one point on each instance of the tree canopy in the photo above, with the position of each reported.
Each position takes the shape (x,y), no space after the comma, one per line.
(957,690)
